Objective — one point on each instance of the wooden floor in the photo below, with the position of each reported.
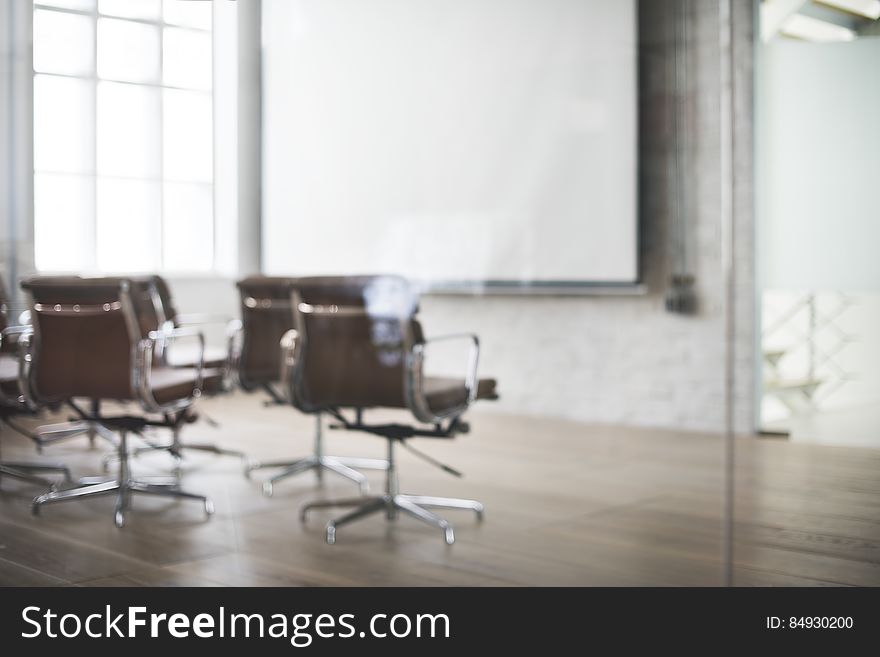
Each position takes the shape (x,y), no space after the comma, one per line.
(567,504)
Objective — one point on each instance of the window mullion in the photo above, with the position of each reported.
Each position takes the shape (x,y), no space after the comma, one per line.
(93,242)
(161,240)
(92,255)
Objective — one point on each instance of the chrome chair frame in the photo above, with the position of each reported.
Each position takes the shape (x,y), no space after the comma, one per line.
(392,501)
(25,471)
(319,462)
(124,485)
(49,434)
(184,325)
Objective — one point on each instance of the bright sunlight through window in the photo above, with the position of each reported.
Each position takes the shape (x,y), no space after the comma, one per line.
(123,135)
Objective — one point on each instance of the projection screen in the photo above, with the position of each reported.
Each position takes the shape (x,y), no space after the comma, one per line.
(478,141)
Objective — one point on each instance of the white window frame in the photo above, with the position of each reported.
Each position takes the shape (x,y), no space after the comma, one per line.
(93,79)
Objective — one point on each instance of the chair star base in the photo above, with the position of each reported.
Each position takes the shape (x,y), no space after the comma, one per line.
(342,466)
(30,472)
(53,433)
(176,450)
(412,505)
(123,491)
(123,486)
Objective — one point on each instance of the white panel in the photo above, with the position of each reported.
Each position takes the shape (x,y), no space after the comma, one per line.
(128,51)
(128,225)
(451,139)
(148,9)
(64,132)
(64,216)
(188,13)
(819,150)
(186,59)
(188,227)
(63,43)
(128,130)
(188,134)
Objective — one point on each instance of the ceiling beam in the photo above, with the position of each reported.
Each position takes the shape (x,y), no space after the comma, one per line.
(774,13)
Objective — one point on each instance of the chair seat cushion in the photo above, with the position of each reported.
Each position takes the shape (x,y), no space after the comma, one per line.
(443,393)
(170,384)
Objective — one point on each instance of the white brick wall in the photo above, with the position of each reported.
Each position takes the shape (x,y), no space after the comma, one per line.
(624,360)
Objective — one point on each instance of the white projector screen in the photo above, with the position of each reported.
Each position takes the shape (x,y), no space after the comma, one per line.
(451,140)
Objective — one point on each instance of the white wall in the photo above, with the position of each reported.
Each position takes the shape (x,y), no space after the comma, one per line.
(819,142)
(625,360)
(819,216)
(16,147)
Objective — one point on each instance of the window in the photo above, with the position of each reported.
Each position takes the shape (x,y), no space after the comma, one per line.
(123,135)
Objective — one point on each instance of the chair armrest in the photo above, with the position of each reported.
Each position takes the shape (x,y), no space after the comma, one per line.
(12,333)
(21,335)
(141,374)
(288,346)
(421,408)
(17,330)
(234,341)
(473,357)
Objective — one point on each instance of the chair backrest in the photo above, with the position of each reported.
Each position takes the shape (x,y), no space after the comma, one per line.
(354,337)
(85,336)
(266,315)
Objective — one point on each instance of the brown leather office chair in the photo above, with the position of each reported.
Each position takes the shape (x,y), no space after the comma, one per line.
(147,303)
(267,316)
(48,434)
(13,402)
(372,355)
(87,343)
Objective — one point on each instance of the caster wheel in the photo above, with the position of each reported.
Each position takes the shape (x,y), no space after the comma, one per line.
(209,507)
(119,519)
(268,489)
(331,534)
(35,509)
(449,536)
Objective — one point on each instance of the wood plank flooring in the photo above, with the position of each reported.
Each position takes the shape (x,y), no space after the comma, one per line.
(566,504)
